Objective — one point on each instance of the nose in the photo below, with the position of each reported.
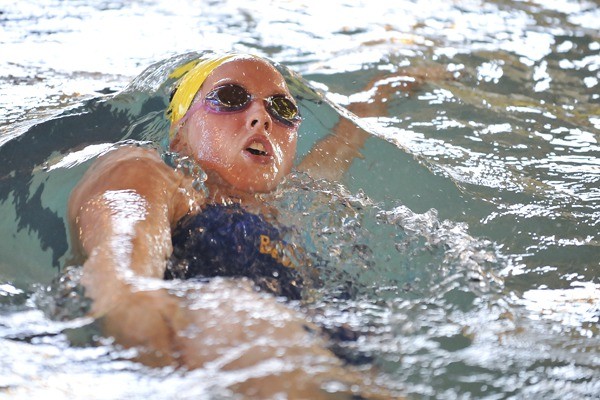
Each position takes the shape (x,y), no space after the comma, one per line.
(258,117)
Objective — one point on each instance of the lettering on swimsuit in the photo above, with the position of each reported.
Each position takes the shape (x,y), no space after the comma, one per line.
(277,250)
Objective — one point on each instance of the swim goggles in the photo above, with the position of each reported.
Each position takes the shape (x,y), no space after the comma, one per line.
(230,98)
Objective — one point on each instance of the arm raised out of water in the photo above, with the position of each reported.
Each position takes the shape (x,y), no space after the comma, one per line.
(331,157)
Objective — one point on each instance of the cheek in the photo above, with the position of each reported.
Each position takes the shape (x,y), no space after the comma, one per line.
(208,142)
(289,149)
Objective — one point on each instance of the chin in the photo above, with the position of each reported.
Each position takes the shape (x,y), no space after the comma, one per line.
(258,186)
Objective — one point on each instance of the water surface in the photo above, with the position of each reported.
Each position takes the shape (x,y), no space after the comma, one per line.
(470,227)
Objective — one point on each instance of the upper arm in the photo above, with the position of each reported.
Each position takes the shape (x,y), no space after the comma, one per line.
(127,199)
(126,168)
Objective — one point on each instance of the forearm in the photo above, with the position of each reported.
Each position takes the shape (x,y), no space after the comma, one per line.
(130,310)
(112,271)
(127,241)
(333,155)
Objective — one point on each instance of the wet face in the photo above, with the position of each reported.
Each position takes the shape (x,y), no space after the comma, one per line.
(248,150)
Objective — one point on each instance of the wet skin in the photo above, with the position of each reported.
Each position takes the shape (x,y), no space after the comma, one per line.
(245,151)
(121,214)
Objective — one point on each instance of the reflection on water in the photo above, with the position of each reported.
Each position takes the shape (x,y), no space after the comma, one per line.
(503,146)
(576,308)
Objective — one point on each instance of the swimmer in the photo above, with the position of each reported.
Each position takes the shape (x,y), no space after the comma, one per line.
(232,114)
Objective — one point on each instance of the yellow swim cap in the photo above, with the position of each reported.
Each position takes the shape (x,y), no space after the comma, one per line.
(192,75)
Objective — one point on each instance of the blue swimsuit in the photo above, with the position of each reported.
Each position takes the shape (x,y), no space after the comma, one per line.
(229,241)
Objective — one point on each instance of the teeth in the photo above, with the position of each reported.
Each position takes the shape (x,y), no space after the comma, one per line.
(257,147)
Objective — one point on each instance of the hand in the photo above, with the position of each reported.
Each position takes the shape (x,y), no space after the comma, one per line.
(381,89)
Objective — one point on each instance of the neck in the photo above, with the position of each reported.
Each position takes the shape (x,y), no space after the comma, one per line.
(221,192)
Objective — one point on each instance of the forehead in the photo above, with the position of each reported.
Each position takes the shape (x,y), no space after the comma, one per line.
(255,74)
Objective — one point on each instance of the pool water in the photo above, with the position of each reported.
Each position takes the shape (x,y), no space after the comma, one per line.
(468,232)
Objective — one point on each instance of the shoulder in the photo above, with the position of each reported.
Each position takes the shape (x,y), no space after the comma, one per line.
(127,167)
(137,169)
(128,160)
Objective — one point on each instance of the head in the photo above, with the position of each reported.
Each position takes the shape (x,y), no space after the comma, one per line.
(234,127)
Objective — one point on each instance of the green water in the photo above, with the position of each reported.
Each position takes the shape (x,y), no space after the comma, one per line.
(494,293)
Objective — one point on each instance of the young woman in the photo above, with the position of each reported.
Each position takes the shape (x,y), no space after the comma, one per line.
(234,116)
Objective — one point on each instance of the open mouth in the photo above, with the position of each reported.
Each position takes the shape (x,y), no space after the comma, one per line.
(257,148)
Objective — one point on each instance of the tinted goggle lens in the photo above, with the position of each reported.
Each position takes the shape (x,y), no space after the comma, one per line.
(230,98)
(283,109)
